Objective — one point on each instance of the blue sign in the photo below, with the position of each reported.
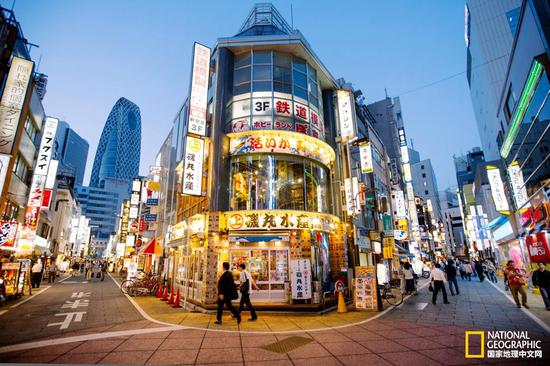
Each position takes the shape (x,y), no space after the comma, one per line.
(152,201)
(151,217)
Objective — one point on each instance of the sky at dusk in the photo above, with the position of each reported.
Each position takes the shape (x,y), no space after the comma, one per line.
(97,51)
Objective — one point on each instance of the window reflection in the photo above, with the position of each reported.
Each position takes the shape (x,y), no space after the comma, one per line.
(278,182)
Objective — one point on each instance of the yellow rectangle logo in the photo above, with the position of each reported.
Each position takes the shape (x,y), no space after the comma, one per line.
(467,347)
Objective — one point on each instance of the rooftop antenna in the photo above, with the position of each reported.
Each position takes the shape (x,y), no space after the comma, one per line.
(412,144)
(39,62)
(386,92)
(12,5)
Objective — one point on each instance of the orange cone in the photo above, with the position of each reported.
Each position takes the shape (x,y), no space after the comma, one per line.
(165,294)
(159,292)
(177,301)
(171,301)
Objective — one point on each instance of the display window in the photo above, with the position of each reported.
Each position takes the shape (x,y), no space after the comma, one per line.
(278,182)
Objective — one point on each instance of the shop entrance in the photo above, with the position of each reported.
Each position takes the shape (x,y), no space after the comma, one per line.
(268,266)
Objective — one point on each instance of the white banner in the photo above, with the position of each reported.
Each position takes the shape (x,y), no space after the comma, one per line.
(346,113)
(300,277)
(400,204)
(46,146)
(13,98)
(518,186)
(355,191)
(497,188)
(349,196)
(366,158)
(199,90)
(52,174)
(192,168)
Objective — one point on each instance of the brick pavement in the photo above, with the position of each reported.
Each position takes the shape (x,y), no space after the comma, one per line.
(413,334)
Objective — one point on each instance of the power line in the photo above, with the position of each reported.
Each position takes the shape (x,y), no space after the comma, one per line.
(450,76)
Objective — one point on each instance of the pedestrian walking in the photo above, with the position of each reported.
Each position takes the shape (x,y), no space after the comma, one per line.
(36,274)
(75,267)
(410,286)
(468,268)
(104,267)
(438,278)
(479,270)
(491,270)
(88,269)
(401,276)
(516,281)
(227,291)
(96,270)
(52,272)
(450,271)
(541,279)
(462,269)
(246,286)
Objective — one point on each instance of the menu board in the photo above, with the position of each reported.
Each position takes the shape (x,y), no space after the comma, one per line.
(365,287)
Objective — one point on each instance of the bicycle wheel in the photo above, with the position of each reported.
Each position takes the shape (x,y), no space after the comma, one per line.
(394,296)
(126,285)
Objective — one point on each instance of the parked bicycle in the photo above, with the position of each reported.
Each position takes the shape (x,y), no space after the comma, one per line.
(143,284)
(391,293)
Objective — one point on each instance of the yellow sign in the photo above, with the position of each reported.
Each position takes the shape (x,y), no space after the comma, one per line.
(402,225)
(280,220)
(282,142)
(388,247)
(177,231)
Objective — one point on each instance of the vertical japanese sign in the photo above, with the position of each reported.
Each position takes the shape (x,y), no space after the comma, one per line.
(46,146)
(346,113)
(366,158)
(8,230)
(349,196)
(52,174)
(355,192)
(12,101)
(300,277)
(192,169)
(400,204)
(497,188)
(518,185)
(199,90)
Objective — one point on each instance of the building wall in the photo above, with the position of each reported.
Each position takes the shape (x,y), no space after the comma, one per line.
(425,185)
(72,152)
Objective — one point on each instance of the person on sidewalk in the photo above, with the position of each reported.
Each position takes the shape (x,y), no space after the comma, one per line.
(450,271)
(104,267)
(36,274)
(541,279)
(479,270)
(468,268)
(76,268)
(410,287)
(462,269)
(246,286)
(227,291)
(516,281)
(437,276)
(491,271)
(52,272)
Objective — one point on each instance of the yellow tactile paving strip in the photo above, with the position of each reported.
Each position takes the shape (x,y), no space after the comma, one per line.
(266,322)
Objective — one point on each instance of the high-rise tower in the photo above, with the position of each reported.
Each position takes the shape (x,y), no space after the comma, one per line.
(118,152)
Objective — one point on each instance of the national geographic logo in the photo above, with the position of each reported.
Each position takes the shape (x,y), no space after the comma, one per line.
(501,344)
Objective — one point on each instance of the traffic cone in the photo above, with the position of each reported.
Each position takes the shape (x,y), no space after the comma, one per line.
(177,301)
(159,292)
(342,308)
(165,294)
(171,301)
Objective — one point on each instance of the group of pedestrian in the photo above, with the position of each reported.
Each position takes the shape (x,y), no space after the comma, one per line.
(90,268)
(39,271)
(227,291)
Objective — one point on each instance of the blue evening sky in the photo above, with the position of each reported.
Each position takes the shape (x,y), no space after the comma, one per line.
(97,51)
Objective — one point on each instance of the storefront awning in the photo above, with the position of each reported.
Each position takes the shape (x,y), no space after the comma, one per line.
(496,222)
(403,252)
(148,249)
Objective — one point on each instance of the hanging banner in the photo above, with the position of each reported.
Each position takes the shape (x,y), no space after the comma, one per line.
(192,168)
(4,166)
(13,98)
(346,113)
(366,158)
(46,146)
(400,204)
(355,192)
(349,196)
(199,89)
(300,277)
(497,188)
(518,186)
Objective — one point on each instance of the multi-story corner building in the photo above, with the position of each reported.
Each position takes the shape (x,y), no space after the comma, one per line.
(490,28)
(71,150)
(524,114)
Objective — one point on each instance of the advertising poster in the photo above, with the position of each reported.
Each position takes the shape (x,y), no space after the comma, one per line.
(300,279)
(365,287)
(8,231)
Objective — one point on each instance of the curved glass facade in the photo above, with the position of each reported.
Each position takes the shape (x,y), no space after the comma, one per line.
(274,90)
(272,181)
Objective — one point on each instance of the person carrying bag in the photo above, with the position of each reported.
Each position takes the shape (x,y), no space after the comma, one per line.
(227,291)
(246,286)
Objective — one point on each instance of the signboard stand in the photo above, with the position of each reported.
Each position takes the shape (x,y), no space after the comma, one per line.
(365,288)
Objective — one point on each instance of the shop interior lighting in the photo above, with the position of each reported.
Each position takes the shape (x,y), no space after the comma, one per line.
(525,100)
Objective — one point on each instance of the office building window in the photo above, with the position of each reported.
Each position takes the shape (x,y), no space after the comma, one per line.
(426,192)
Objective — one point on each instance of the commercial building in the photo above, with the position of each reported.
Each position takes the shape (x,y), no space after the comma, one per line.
(489,32)
(425,186)
(524,143)
(71,150)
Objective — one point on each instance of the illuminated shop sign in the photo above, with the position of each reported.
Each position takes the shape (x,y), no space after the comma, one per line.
(365,154)
(400,204)
(402,137)
(346,113)
(192,168)
(518,186)
(281,142)
(279,220)
(497,188)
(177,231)
(355,191)
(46,146)
(199,89)
(13,98)
(300,279)
(348,190)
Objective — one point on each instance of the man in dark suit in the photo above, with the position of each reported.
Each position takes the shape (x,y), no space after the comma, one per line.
(227,291)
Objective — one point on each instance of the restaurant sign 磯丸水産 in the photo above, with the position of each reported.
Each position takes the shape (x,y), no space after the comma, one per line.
(280,220)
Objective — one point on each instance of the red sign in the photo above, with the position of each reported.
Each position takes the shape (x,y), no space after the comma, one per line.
(31,217)
(46,198)
(537,245)
(526,218)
